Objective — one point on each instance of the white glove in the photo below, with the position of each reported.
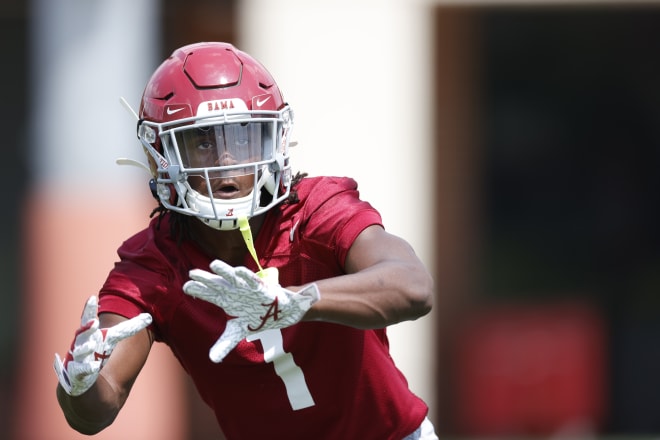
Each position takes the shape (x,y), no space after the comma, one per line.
(91,348)
(257,302)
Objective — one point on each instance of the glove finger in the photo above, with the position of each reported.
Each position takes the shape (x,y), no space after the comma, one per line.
(81,351)
(200,287)
(61,373)
(85,332)
(251,280)
(228,273)
(90,311)
(221,268)
(311,294)
(216,283)
(207,278)
(234,332)
(196,289)
(79,370)
(125,329)
(86,340)
(201,291)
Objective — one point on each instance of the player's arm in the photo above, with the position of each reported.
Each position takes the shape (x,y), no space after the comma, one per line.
(97,407)
(385,283)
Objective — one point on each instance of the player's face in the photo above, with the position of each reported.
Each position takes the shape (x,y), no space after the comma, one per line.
(222,146)
(224,187)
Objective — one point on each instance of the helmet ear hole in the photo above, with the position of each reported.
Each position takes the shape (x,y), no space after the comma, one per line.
(153,187)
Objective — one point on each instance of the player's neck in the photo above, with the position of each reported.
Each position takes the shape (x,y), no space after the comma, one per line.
(227,246)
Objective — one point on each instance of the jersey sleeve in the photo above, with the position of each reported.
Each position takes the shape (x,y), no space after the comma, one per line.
(335,214)
(141,281)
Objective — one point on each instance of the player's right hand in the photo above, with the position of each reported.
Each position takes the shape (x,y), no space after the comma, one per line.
(91,348)
(256,301)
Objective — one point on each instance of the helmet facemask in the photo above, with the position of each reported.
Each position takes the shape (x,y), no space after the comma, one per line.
(219,167)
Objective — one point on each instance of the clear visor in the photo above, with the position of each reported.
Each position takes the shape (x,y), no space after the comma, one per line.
(222,148)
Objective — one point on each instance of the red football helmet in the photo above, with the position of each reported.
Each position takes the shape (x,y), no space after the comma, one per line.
(216,92)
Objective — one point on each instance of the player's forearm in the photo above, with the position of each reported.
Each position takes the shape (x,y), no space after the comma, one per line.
(92,411)
(376,297)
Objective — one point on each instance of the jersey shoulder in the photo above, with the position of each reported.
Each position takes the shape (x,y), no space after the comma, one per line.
(325,194)
(325,220)
(319,189)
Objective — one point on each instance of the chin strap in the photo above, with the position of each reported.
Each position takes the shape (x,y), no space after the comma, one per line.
(269,274)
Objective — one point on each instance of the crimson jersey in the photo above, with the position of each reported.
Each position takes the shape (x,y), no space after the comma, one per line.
(312,380)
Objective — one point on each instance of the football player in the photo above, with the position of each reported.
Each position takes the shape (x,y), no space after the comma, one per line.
(271,288)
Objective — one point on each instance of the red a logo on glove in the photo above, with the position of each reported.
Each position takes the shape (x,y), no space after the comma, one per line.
(273,310)
(103,357)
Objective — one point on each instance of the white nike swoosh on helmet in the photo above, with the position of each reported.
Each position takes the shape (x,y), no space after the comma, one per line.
(171,111)
(262,102)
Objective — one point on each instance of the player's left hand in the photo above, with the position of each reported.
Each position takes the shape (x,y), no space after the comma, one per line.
(91,348)
(257,301)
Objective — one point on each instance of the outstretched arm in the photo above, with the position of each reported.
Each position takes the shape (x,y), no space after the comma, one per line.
(97,407)
(386,283)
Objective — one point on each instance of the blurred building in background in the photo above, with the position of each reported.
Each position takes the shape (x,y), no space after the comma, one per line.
(514,143)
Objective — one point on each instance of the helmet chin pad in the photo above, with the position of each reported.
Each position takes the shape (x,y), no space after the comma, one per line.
(221,214)
(220,225)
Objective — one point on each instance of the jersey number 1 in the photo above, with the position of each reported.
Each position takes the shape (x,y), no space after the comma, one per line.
(285,368)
